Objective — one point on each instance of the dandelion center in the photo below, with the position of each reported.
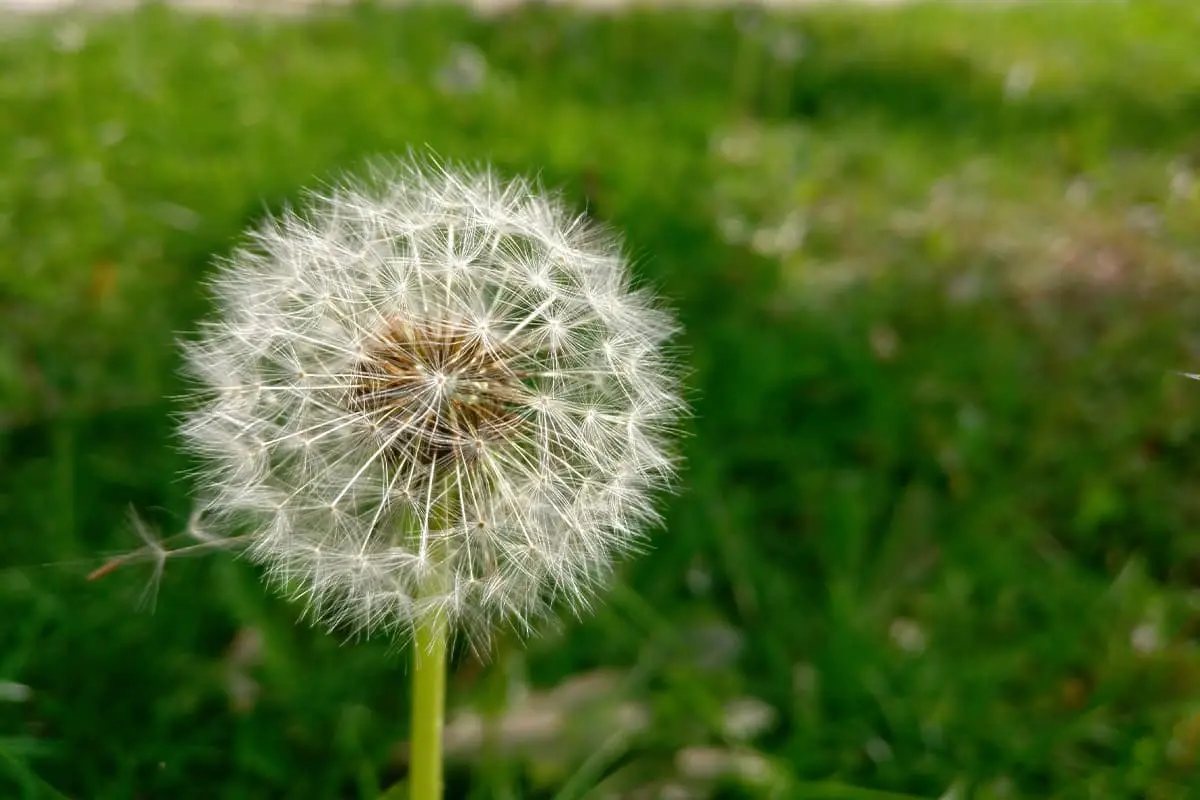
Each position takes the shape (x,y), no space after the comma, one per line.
(435,391)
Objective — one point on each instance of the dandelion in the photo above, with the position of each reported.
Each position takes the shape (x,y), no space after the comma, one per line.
(433,403)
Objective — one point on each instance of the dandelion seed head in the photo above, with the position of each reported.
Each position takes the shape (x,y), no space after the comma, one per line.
(433,390)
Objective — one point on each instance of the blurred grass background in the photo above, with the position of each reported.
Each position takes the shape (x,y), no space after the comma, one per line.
(936,263)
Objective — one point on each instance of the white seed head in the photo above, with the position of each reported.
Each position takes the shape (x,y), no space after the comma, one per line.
(433,392)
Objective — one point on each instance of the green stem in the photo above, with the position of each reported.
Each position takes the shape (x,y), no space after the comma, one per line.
(429,680)
(428,708)
(430,643)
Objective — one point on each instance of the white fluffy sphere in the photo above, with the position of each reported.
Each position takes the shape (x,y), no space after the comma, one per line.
(433,392)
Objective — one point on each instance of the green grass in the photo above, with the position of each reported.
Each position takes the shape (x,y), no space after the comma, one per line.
(940,510)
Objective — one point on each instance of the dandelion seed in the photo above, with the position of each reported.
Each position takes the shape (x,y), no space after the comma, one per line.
(106,568)
(433,391)
(156,551)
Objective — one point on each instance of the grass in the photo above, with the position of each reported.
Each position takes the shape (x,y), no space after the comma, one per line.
(936,264)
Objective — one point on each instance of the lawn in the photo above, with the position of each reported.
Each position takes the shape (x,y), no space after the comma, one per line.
(938,267)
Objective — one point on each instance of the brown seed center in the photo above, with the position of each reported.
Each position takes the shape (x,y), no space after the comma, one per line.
(436,391)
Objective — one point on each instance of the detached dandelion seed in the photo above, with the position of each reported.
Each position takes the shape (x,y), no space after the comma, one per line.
(433,403)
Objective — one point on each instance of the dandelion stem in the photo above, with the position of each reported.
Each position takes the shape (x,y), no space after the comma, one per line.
(430,645)
(429,671)
(428,708)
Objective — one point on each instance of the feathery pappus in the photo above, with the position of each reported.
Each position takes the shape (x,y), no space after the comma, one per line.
(433,390)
